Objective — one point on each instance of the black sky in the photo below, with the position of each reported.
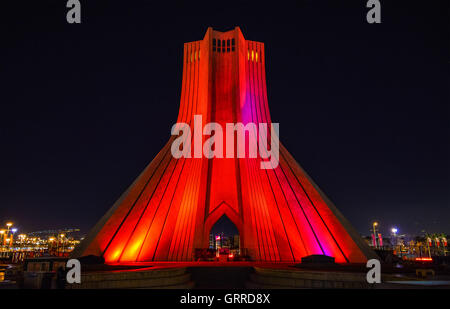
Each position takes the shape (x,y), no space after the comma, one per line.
(364,108)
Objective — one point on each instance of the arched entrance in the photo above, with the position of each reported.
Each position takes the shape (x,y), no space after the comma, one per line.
(222,236)
(224,239)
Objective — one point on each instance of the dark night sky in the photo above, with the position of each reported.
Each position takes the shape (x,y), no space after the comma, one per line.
(363,108)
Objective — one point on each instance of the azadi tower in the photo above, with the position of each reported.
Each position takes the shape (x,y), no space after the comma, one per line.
(168,211)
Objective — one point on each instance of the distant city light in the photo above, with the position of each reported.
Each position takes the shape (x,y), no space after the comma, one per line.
(18,246)
(394,230)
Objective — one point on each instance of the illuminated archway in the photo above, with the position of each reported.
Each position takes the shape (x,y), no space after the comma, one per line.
(224,235)
(222,210)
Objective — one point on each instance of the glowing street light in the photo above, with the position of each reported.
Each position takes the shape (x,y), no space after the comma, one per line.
(2,241)
(50,244)
(394,231)
(8,225)
(375,243)
(62,241)
(14,230)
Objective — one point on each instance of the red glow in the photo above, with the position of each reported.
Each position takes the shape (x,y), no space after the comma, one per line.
(169,210)
(424,259)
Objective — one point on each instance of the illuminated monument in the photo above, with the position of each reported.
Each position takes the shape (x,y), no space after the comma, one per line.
(168,211)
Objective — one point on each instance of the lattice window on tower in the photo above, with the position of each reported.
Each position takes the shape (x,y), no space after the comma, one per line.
(223,45)
(218,46)
(228,45)
(232,44)
(214,45)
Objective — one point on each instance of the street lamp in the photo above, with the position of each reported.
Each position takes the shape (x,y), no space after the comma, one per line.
(13,231)
(394,231)
(62,241)
(50,241)
(2,238)
(8,225)
(375,224)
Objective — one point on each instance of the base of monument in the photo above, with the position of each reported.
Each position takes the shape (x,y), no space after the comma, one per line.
(270,278)
(143,278)
(236,275)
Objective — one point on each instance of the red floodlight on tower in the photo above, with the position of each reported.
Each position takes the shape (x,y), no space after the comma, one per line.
(168,211)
